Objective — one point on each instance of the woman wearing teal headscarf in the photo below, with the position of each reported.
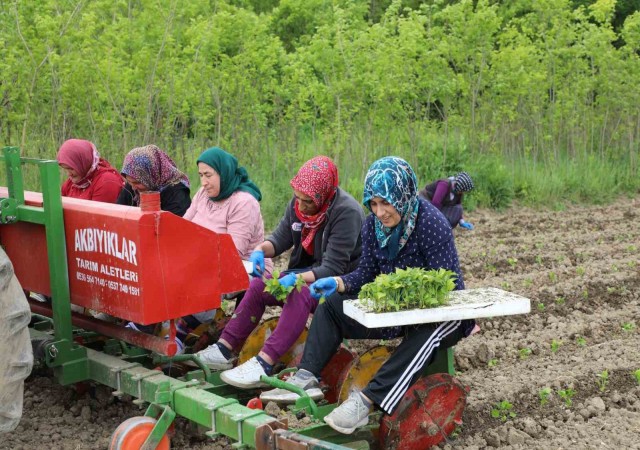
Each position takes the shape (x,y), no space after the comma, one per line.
(227,202)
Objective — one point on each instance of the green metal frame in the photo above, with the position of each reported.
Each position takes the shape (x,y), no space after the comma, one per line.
(68,360)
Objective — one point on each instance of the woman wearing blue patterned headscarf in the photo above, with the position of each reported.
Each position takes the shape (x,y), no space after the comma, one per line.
(402,231)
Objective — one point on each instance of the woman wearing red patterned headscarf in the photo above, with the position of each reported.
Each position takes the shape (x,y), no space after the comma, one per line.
(90,176)
(322,224)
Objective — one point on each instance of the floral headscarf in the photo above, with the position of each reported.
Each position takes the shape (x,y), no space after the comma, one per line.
(392,179)
(317,178)
(152,167)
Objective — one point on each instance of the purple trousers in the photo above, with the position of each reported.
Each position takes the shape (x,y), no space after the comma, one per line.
(290,325)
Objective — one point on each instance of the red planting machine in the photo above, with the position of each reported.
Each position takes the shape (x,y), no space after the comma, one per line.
(149,266)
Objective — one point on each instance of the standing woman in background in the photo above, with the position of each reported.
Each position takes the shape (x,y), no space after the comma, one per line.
(90,176)
(150,169)
(446,195)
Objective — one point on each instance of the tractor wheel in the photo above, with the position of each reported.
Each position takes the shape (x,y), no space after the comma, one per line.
(132,433)
(15,345)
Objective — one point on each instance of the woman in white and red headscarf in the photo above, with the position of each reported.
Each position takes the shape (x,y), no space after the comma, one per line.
(90,176)
(322,223)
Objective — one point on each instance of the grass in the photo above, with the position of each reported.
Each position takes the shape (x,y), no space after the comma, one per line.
(500,178)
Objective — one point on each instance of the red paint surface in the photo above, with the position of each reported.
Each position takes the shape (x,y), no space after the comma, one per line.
(143,266)
(429,411)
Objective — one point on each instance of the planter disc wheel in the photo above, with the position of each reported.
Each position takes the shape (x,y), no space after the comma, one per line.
(429,412)
(132,433)
(361,370)
(260,334)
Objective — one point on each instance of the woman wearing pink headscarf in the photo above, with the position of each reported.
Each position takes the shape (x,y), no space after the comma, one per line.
(90,176)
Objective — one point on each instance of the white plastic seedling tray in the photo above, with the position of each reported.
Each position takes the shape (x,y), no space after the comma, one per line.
(466,304)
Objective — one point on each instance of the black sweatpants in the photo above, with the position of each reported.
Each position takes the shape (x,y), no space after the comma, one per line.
(416,351)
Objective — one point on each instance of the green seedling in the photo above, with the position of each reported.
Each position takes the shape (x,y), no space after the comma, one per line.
(492,362)
(580,270)
(491,268)
(539,259)
(611,289)
(603,380)
(631,264)
(540,306)
(505,285)
(581,341)
(273,287)
(553,277)
(539,245)
(560,300)
(411,288)
(524,353)
(614,268)
(632,248)
(636,375)
(503,411)
(513,262)
(543,395)
(555,345)
(585,294)
(566,395)
(628,326)
(527,283)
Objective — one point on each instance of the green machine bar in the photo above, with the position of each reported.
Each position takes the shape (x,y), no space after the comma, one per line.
(67,359)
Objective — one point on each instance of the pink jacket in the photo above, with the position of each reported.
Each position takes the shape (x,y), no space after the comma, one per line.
(238,215)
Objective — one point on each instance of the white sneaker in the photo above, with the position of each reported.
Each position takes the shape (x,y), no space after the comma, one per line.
(306,381)
(214,359)
(246,375)
(132,326)
(352,414)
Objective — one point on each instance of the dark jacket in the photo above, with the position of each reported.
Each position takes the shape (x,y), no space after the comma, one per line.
(337,245)
(174,198)
(439,192)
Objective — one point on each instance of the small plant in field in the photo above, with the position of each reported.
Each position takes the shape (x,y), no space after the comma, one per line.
(611,289)
(539,245)
(273,286)
(524,353)
(631,264)
(491,268)
(553,277)
(560,300)
(503,411)
(513,262)
(555,345)
(581,341)
(614,268)
(505,285)
(580,270)
(540,306)
(456,432)
(566,395)
(543,395)
(628,326)
(603,380)
(632,248)
(492,362)
(527,283)
(636,375)
(539,260)
(405,289)
(585,294)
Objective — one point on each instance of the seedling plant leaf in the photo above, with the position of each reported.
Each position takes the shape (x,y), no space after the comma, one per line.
(406,289)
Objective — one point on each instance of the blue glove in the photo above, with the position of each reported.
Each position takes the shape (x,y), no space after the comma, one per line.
(466,225)
(288,280)
(323,287)
(257,258)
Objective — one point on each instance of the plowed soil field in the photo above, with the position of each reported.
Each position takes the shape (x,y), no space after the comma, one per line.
(560,377)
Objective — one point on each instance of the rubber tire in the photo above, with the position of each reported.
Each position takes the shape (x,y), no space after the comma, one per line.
(131,434)
(16,354)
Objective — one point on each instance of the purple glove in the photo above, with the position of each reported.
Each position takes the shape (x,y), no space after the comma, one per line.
(323,287)
(288,280)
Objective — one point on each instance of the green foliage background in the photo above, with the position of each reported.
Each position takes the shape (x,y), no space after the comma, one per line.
(537,99)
